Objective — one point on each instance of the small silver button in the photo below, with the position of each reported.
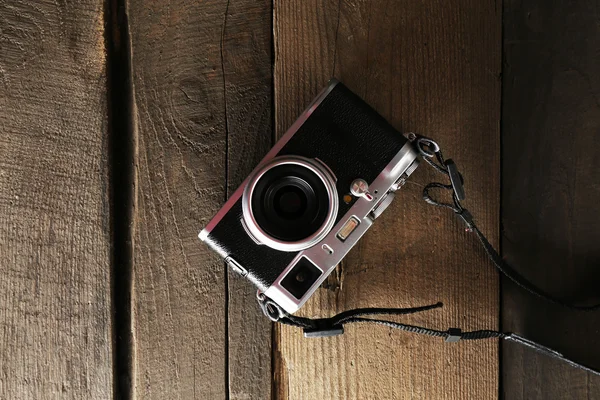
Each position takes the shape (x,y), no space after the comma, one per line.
(360,188)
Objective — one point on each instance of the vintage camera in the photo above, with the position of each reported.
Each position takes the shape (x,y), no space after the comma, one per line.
(312,197)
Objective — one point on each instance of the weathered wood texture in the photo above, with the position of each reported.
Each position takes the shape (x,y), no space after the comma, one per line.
(433,68)
(248,75)
(179,285)
(551,170)
(55,328)
(200,70)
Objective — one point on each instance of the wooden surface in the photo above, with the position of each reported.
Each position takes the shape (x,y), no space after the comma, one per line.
(213,84)
(179,285)
(55,326)
(434,69)
(551,170)
(203,95)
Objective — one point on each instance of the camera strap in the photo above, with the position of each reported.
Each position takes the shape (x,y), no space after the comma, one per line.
(323,327)
(431,153)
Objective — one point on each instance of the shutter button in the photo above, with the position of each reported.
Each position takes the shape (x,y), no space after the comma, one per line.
(360,188)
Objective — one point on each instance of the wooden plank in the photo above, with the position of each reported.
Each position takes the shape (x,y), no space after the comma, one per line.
(200,70)
(247,53)
(55,325)
(551,217)
(432,68)
(179,285)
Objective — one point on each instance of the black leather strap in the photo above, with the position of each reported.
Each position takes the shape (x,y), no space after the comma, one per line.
(513,337)
(518,279)
(335,325)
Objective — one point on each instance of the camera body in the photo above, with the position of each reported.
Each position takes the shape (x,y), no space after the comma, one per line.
(312,197)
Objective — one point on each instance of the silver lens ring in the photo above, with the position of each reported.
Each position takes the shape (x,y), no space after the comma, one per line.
(320,171)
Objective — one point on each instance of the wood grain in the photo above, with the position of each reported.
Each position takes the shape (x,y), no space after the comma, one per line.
(179,285)
(200,71)
(433,68)
(551,218)
(248,74)
(55,326)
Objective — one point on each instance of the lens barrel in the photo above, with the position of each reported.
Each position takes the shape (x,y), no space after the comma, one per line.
(290,203)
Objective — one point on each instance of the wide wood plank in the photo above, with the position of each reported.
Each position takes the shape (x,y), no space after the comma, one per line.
(248,75)
(433,68)
(55,326)
(551,170)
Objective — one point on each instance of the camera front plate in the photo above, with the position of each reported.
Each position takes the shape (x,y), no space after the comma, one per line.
(331,250)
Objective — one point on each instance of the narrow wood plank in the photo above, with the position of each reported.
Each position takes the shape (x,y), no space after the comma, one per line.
(433,68)
(199,70)
(550,192)
(247,54)
(179,284)
(55,326)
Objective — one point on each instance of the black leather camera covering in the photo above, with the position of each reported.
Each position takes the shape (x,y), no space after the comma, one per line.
(351,139)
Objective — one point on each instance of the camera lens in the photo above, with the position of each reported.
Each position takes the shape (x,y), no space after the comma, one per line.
(290,202)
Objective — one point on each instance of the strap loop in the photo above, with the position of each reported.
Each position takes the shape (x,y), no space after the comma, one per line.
(456,180)
(272,310)
(324,331)
(454,335)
